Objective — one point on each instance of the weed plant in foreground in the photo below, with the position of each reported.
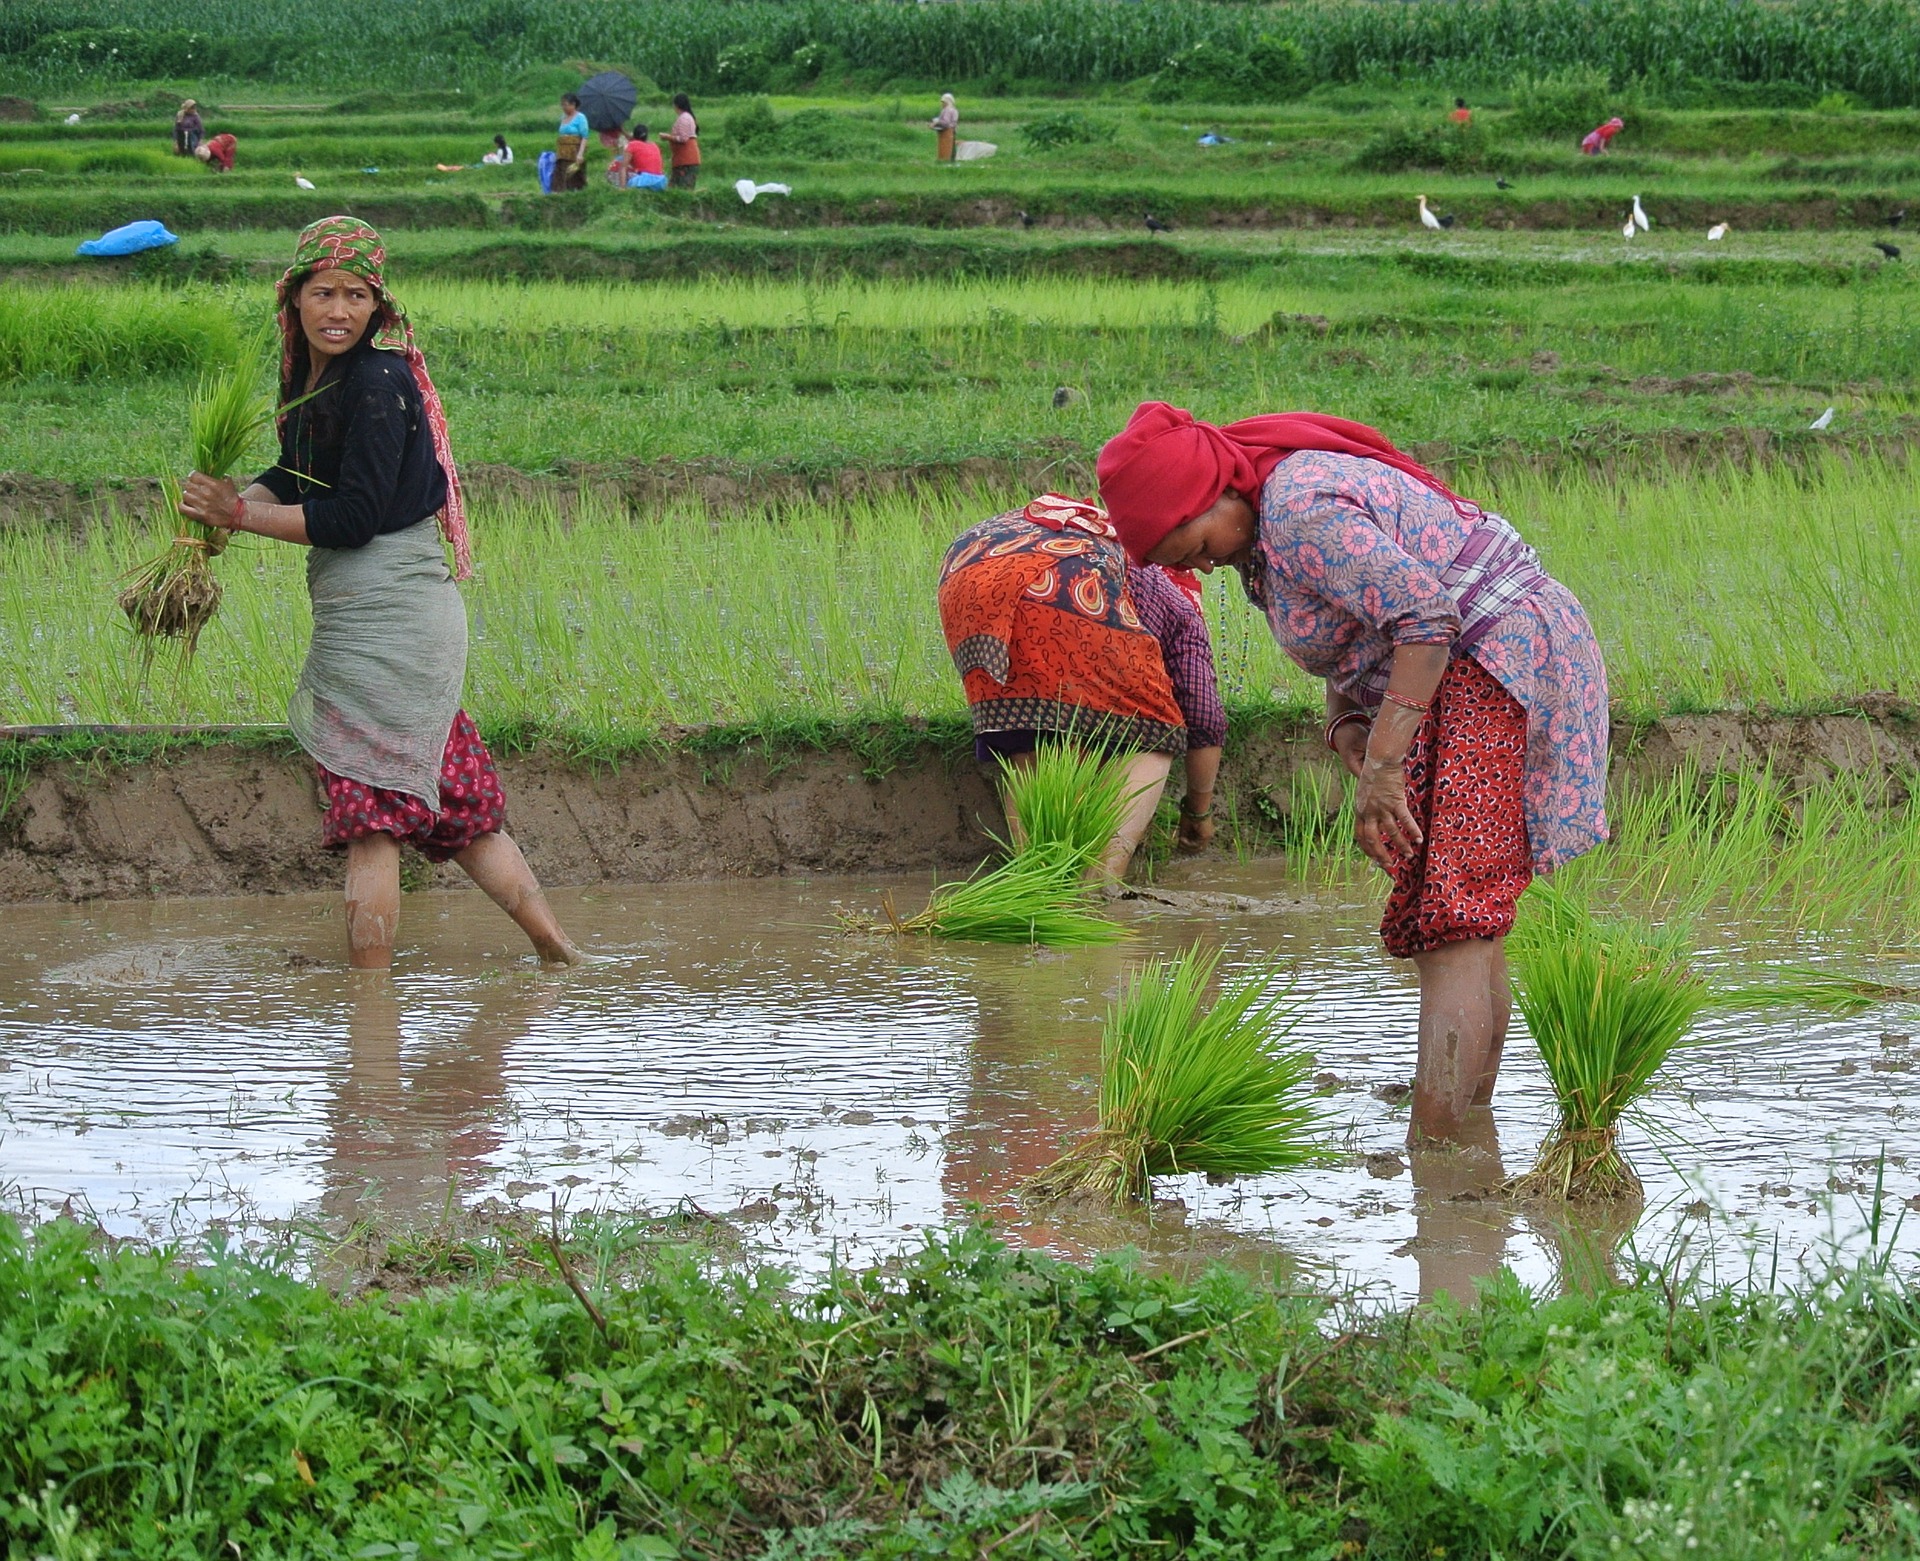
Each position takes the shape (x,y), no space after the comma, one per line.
(1606,1003)
(1187,1087)
(961,1400)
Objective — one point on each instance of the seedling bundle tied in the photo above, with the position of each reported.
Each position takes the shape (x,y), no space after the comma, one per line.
(176,595)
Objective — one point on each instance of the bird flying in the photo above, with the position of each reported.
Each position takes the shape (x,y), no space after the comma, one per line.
(1822,420)
(303,181)
(1640,215)
(1891,251)
(1716,233)
(1155,225)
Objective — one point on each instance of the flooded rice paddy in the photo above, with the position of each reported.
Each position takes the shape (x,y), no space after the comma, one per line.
(169,1066)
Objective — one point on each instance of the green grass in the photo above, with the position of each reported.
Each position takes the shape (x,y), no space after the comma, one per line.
(1189,1086)
(600,628)
(961,1400)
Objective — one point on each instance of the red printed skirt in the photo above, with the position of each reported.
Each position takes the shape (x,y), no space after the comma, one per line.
(1465,784)
(471,803)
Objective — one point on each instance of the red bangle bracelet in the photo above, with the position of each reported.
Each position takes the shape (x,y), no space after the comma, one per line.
(239,515)
(1344,718)
(1405,703)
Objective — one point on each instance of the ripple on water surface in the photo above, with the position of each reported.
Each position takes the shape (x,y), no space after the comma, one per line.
(167,1065)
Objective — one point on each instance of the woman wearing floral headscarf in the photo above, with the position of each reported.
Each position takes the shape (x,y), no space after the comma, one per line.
(1465,690)
(364,468)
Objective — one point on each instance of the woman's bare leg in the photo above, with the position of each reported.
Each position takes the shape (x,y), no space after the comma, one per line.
(494,862)
(1146,780)
(1462,1026)
(373,901)
(1502,995)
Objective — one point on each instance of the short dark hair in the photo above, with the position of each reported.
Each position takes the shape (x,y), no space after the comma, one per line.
(639,131)
(680,102)
(570,97)
(1459,102)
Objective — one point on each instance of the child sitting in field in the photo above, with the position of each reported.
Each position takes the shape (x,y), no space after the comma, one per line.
(501,155)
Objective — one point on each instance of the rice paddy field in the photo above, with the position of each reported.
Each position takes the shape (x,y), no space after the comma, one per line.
(717,1246)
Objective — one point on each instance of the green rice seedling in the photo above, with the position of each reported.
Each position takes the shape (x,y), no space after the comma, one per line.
(1062,809)
(1070,797)
(1039,896)
(1606,1004)
(1187,1087)
(175,595)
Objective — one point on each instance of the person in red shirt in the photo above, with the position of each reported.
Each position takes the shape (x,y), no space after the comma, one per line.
(217,152)
(1461,115)
(644,167)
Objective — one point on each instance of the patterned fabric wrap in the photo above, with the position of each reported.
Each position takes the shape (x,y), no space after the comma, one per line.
(348,244)
(1466,784)
(1348,565)
(1044,634)
(472,803)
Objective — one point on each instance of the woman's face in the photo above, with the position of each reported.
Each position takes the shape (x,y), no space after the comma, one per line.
(1223,535)
(335,310)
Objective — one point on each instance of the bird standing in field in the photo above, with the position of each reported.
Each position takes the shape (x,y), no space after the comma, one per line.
(1716,233)
(1897,218)
(1640,215)
(1155,225)
(1501,184)
(1432,219)
(1822,420)
(303,181)
(1628,229)
(1891,251)
(1026,220)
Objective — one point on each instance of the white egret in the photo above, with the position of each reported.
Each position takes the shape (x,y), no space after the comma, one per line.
(1427,218)
(1716,233)
(1822,420)
(1640,215)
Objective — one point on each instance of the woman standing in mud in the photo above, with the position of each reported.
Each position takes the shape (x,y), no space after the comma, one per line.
(1056,639)
(364,468)
(1465,690)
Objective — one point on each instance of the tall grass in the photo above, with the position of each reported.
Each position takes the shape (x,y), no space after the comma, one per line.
(1189,1087)
(89,333)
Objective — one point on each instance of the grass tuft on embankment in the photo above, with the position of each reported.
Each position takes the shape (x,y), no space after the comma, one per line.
(610,1396)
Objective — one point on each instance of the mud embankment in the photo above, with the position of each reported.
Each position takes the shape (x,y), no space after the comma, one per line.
(225,818)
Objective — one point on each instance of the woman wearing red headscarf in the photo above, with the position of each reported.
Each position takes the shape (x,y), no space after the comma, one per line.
(1465,690)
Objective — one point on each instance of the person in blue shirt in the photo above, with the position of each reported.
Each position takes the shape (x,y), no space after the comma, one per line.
(570,147)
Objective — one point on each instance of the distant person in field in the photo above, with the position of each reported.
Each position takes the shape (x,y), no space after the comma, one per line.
(1461,115)
(187,129)
(502,155)
(943,125)
(217,152)
(1596,140)
(570,146)
(1465,691)
(364,471)
(684,138)
(645,170)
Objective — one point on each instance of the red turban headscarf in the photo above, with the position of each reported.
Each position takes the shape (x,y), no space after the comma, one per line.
(1166,467)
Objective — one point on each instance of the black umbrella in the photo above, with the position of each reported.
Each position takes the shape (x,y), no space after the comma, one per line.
(607,100)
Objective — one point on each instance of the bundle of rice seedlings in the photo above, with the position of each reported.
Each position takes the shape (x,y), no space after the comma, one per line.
(1607,1004)
(1185,1087)
(175,595)
(1064,808)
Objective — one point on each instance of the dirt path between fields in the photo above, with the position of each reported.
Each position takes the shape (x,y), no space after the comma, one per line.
(243,818)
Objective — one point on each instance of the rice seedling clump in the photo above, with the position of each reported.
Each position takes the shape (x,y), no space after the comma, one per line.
(1062,810)
(176,595)
(1188,1087)
(1606,1004)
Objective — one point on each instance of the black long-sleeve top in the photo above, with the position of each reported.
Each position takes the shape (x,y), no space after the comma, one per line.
(358,457)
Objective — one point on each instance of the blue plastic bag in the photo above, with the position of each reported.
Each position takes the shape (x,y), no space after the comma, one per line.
(130,240)
(548,162)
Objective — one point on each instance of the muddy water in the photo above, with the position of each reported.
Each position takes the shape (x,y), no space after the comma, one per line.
(164,1066)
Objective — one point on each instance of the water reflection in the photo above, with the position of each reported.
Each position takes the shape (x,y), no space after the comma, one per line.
(165,1065)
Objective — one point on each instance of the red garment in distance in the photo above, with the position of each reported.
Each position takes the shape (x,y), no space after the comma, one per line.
(220,149)
(643,157)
